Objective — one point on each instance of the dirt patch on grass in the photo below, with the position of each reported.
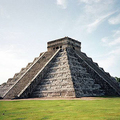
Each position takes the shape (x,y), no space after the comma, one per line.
(55,98)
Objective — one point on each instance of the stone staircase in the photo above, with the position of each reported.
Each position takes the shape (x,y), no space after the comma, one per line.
(25,79)
(67,78)
(58,81)
(5,87)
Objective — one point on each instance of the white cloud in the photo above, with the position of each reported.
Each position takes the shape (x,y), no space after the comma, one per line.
(95,12)
(110,59)
(62,3)
(107,62)
(115,20)
(3,13)
(9,35)
(98,7)
(116,33)
(104,40)
(91,27)
(115,51)
(89,1)
(115,42)
(113,39)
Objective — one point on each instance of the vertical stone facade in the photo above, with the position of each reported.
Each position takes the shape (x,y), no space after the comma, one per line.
(64,43)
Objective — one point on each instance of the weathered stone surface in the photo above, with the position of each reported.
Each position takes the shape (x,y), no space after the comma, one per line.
(62,71)
(58,81)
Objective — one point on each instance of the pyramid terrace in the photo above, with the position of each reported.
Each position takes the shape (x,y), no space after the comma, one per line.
(62,71)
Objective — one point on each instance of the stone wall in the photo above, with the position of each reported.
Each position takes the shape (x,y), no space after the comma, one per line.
(57,82)
(64,43)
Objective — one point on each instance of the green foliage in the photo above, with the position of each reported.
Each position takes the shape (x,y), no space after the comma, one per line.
(103,109)
(118,79)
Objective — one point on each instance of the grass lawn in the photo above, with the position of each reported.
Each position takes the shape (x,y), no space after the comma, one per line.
(103,109)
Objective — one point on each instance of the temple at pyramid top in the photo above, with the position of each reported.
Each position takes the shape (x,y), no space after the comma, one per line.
(62,71)
(65,42)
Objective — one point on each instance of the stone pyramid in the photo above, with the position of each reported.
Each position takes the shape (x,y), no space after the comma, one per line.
(62,71)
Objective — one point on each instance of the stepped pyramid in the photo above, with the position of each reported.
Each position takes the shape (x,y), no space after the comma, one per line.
(62,71)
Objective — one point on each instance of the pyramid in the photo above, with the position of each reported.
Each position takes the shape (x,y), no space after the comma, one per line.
(62,71)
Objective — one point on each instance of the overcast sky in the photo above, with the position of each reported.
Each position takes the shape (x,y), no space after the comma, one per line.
(27,25)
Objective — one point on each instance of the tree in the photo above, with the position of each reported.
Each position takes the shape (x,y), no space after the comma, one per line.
(118,79)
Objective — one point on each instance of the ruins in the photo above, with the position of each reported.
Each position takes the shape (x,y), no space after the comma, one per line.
(62,71)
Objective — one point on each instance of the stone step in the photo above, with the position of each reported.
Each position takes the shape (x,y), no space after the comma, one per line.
(52,89)
(55,76)
(81,74)
(85,93)
(75,64)
(57,79)
(54,83)
(80,79)
(61,58)
(28,65)
(44,91)
(84,82)
(60,62)
(56,93)
(29,75)
(56,69)
(58,72)
(72,57)
(35,59)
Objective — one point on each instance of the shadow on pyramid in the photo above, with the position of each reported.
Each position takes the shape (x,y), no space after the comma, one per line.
(62,71)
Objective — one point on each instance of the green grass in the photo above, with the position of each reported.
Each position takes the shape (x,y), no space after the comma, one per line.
(105,109)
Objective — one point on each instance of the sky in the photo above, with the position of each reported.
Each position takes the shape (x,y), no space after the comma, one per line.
(27,25)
